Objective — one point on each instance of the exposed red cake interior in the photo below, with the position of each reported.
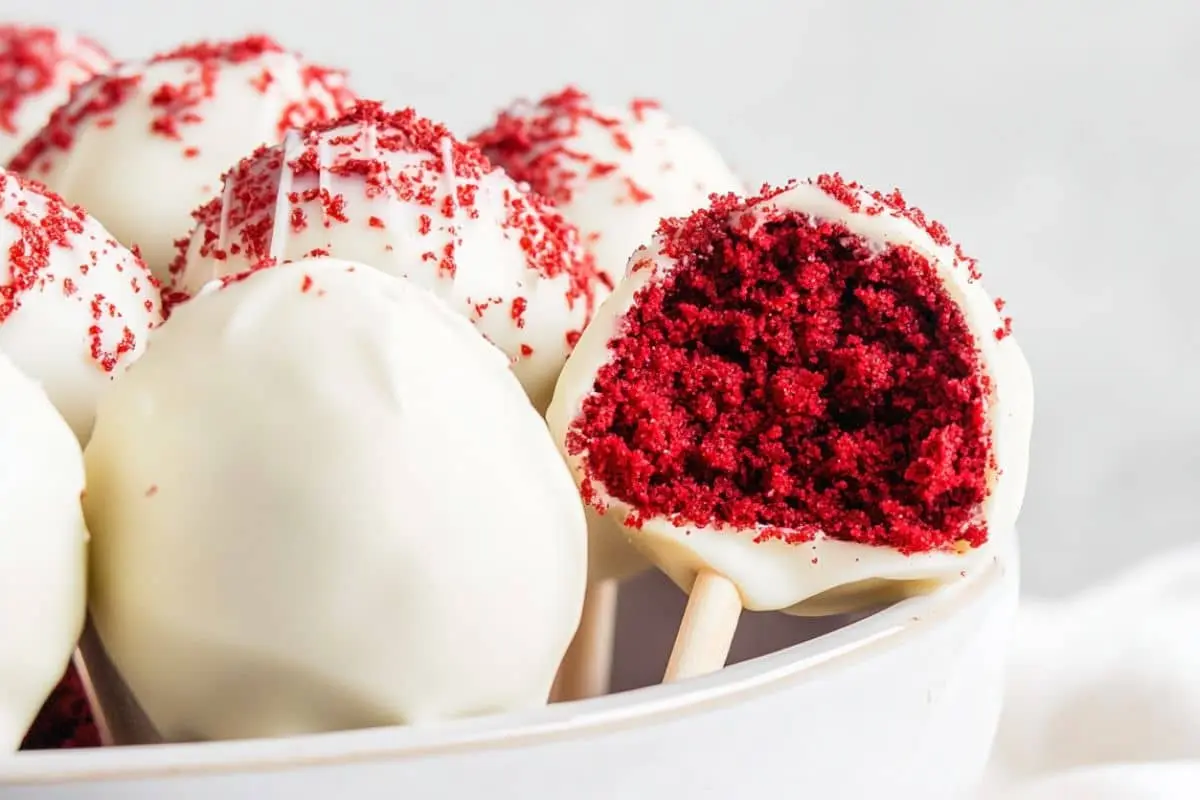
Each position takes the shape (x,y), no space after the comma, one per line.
(65,721)
(793,378)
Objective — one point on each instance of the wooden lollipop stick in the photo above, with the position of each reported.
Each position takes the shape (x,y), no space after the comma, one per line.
(706,632)
(89,691)
(587,665)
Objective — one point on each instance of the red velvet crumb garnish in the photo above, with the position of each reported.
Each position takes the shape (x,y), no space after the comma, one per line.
(790,377)
(174,107)
(361,148)
(61,226)
(534,142)
(65,721)
(34,60)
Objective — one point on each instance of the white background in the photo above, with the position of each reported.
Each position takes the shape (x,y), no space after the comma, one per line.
(1058,139)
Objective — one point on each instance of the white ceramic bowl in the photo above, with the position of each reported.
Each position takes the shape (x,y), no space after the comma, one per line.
(902,703)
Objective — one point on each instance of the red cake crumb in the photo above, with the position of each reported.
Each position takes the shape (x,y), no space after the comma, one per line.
(550,243)
(176,106)
(65,721)
(30,62)
(792,378)
(532,143)
(62,227)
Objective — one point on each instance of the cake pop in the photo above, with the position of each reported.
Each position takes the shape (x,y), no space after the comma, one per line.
(398,192)
(75,306)
(798,392)
(322,501)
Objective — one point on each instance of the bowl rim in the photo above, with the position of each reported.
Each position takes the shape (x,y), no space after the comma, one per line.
(882,631)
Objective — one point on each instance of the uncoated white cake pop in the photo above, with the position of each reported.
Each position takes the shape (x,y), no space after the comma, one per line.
(614,171)
(38,68)
(398,192)
(43,550)
(145,143)
(75,306)
(322,501)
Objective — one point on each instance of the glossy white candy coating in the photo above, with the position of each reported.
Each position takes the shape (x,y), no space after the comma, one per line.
(615,171)
(75,306)
(38,68)
(43,551)
(142,145)
(322,501)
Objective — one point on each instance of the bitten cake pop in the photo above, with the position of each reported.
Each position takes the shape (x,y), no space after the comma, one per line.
(145,143)
(75,306)
(38,68)
(322,501)
(614,171)
(43,551)
(401,194)
(797,392)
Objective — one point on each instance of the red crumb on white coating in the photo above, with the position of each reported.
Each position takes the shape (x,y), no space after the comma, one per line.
(533,142)
(176,106)
(37,264)
(35,59)
(438,177)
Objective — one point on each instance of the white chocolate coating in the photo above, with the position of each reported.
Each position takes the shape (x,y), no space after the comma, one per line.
(142,145)
(322,501)
(614,171)
(38,68)
(81,304)
(43,551)
(397,192)
(774,575)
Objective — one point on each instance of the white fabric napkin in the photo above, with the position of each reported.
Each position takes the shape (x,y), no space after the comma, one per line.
(1103,695)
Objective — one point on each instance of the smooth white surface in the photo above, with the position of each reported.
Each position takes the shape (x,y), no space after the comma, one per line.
(1152,781)
(774,575)
(1059,138)
(43,550)
(1107,676)
(322,501)
(914,689)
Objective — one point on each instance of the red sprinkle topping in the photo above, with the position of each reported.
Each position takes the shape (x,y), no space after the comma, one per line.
(65,227)
(534,143)
(175,107)
(361,148)
(65,721)
(34,60)
(791,377)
